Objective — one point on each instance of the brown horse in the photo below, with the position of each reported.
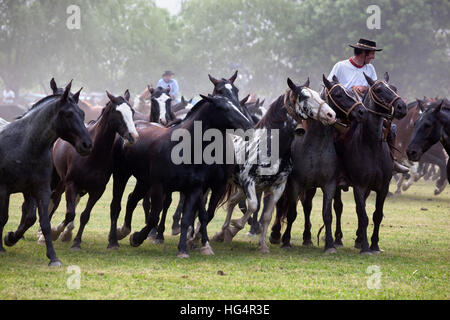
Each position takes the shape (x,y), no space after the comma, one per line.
(77,175)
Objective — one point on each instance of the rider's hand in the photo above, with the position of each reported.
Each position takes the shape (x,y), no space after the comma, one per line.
(360,89)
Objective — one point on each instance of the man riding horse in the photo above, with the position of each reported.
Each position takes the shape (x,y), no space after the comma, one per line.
(350,73)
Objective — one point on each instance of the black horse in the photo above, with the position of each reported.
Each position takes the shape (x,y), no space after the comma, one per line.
(432,126)
(367,159)
(315,165)
(26,163)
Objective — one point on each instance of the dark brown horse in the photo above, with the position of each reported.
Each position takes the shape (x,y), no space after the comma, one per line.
(76,175)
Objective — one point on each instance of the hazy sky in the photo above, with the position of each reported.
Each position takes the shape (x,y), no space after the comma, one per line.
(173,6)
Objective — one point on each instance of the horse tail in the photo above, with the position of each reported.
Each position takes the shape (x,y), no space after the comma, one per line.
(230,190)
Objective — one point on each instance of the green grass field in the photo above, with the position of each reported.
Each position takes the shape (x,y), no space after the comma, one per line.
(415,265)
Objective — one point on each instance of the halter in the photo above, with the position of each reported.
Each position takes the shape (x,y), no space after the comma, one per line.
(328,95)
(381,103)
(290,101)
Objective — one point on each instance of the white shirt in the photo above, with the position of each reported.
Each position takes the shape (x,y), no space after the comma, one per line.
(8,96)
(349,75)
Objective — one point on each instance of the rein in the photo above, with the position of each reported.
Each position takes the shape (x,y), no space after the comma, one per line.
(381,103)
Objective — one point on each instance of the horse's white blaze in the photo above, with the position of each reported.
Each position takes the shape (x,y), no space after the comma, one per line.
(314,103)
(127,115)
(162,105)
(229,87)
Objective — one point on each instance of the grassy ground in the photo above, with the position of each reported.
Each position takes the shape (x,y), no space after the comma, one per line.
(415,265)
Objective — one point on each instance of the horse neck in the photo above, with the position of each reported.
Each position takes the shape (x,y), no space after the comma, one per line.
(317,132)
(103,136)
(42,133)
(372,128)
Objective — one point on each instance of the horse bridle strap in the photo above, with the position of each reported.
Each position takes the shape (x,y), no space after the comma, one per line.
(329,96)
(289,103)
(389,107)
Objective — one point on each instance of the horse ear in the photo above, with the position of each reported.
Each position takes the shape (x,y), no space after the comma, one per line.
(192,99)
(213,80)
(244,101)
(53,86)
(234,77)
(111,97)
(150,89)
(262,102)
(306,84)
(326,82)
(168,89)
(420,105)
(65,96)
(335,79)
(386,77)
(439,107)
(182,100)
(127,95)
(369,79)
(76,96)
(291,84)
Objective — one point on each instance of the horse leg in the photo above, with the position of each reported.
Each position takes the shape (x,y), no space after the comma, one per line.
(84,219)
(139,193)
(186,221)
(203,216)
(363,221)
(255,225)
(157,195)
(162,224)
(275,235)
(72,199)
(4,206)
(275,195)
(176,228)
(307,208)
(232,202)
(42,196)
(239,224)
(55,200)
(28,220)
(377,218)
(399,184)
(441,183)
(119,185)
(338,208)
(328,193)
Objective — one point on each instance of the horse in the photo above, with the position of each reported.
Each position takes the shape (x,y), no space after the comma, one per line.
(256,174)
(10,112)
(316,165)
(151,163)
(182,108)
(435,155)
(142,102)
(432,126)
(76,175)
(225,88)
(26,164)
(367,160)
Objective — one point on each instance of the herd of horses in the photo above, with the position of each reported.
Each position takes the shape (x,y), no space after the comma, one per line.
(49,151)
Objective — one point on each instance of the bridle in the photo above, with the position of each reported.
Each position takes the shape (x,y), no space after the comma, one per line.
(290,101)
(389,106)
(328,96)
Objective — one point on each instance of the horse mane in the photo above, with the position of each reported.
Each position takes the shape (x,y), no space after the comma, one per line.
(195,108)
(38,104)
(273,115)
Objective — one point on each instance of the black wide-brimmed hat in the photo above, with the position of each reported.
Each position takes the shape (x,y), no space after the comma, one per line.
(168,73)
(365,44)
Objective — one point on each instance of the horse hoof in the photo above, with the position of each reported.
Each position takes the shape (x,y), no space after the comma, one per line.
(113,247)
(274,240)
(66,236)
(55,234)
(152,234)
(183,255)
(308,243)
(330,251)
(9,243)
(358,245)
(132,243)
(122,232)
(366,253)
(236,224)
(338,245)
(55,264)
(286,246)
(264,249)
(176,231)
(75,248)
(218,237)
(206,250)
(251,235)
(158,241)
(228,235)
(41,240)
